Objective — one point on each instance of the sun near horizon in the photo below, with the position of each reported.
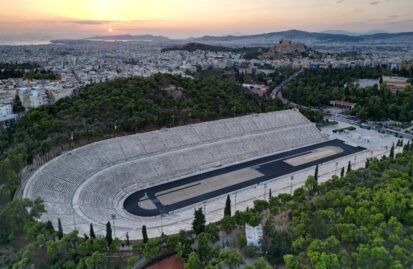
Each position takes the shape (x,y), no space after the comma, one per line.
(183,18)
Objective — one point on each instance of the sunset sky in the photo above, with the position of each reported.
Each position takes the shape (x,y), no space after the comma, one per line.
(184,18)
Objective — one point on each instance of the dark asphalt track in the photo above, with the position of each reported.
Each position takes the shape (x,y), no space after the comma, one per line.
(271,166)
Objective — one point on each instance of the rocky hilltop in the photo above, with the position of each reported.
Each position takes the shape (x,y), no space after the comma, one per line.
(288,48)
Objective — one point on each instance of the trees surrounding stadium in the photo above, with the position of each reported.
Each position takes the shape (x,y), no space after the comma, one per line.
(319,87)
(198,225)
(59,229)
(109,233)
(92,232)
(337,228)
(391,154)
(144,234)
(316,172)
(227,209)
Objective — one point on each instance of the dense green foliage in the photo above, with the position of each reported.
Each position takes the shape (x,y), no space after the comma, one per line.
(382,104)
(131,105)
(363,220)
(233,74)
(25,71)
(246,52)
(319,87)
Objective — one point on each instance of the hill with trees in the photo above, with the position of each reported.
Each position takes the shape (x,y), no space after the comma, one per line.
(246,52)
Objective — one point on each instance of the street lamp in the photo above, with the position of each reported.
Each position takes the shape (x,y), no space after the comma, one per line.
(265,191)
(72,137)
(113,219)
(235,201)
(291,186)
(74,218)
(336,168)
(162,213)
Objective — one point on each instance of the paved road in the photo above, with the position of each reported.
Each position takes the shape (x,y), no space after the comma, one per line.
(277,91)
(270,167)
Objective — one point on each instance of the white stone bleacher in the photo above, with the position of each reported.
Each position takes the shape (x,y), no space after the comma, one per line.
(107,171)
(112,151)
(59,170)
(93,156)
(132,146)
(49,182)
(187,161)
(92,199)
(51,196)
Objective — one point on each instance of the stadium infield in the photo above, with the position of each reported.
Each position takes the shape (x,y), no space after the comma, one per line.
(194,189)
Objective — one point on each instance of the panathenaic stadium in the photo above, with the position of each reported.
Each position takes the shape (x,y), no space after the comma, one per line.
(158,178)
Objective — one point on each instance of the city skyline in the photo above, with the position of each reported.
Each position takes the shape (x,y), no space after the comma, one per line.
(182,18)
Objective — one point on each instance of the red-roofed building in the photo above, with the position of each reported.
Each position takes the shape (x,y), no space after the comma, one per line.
(343,104)
(168,263)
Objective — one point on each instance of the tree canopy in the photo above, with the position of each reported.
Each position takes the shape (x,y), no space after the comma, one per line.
(319,87)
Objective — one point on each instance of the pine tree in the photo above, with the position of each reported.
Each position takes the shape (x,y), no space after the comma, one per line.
(109,233)
(59,229)
(342,172)
(92,232)
(270,194)
(144,234)
(406,147)
(227,210)
(127,239)
(411,170)
(17,106)
(349,166)
(367,163)
(198,225)
(316,173)
(49,227)
(391,155)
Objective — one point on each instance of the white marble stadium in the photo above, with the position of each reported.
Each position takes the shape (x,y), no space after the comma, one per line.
(89,184)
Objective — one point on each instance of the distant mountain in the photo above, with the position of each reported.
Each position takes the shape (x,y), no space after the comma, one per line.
(197,46)
(309,38)
(141,38)
(342,32)
(333,37)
